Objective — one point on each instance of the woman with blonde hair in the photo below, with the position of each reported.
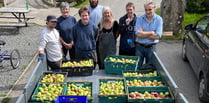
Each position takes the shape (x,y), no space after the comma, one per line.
(108,33)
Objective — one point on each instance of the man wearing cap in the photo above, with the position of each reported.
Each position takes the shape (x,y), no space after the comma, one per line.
(50,42)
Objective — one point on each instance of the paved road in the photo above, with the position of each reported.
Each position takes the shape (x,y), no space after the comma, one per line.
(170,54)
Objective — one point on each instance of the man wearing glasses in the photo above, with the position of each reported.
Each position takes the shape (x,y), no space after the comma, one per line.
(148,32)
(50,42)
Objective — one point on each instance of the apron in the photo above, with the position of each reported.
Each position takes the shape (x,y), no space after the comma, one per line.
(107,46)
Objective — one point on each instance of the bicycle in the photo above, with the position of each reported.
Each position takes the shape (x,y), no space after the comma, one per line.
(14,56)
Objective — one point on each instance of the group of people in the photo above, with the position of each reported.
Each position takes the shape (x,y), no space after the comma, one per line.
(94,35)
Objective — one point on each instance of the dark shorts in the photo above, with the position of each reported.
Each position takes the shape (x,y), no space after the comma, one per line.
(54,65)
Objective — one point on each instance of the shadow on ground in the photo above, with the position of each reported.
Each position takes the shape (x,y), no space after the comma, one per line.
(9,31)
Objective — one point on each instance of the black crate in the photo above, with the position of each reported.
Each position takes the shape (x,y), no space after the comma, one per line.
(78,71)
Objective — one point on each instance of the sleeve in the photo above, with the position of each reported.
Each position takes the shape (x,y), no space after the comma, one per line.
(74,20)
(96,32)
(138,25)
(159,27)
(42,42)
(73,34)
(116,29)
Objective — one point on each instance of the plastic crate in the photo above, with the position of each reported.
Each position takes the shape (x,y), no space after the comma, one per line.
(143,73)
(55,73)
(146,79)
(112,98)
(169,99)
(35,98)
(77,71)
(72,99)
(82,84)
(118,67)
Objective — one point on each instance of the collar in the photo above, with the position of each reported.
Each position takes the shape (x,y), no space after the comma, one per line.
(145,17)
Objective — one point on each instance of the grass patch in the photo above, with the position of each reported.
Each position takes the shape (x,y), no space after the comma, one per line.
(24,67)
(5,100)
(2,95)
(191,18)
(157,11)
(81,4)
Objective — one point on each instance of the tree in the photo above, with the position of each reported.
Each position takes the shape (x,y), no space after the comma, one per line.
(172,12)
(197,6)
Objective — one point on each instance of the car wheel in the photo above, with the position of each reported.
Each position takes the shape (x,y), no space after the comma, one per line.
(202,95)
(184,57)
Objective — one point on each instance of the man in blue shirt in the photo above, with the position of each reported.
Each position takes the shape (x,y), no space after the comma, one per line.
(95,17)
(148,33)
(95,11)
(85,35)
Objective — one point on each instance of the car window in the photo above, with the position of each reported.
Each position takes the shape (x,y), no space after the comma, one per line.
(202,24)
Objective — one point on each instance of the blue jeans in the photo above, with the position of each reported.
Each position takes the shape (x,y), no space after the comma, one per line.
(144,53)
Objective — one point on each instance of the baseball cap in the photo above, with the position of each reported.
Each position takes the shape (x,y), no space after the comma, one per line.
(51,18)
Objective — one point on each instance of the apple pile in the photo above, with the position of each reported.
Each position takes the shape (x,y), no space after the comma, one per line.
(82,63)
(53,78)
(49,91)
(130,74)
(148,95)
(75,90)
(122,60)
(114,88)
(136,82)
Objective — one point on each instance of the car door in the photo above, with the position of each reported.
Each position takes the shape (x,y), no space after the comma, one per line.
(199,46)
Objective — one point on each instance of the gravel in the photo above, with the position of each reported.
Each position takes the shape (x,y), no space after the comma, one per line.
(26,41)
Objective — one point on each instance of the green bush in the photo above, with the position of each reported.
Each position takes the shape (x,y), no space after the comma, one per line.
(197,6)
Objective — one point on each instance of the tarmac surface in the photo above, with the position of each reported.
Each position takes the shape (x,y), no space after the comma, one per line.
(39,10)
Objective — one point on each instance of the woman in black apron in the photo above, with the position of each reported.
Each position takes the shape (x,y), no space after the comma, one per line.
(108,33)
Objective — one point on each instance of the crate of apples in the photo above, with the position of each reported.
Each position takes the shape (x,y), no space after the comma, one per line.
(150,96)
(115,64)
(112,90)
(79,88)
(140,73)
(78,67)
(154,83)
(48,92)
(53,77)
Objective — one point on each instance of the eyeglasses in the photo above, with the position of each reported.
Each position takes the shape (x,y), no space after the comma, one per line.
(53,21)
(148,9)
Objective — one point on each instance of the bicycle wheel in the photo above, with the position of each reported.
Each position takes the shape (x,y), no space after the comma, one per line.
(15,58)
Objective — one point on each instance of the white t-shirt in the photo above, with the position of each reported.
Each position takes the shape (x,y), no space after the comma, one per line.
(50,41)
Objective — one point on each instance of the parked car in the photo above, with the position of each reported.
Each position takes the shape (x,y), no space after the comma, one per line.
(195,49)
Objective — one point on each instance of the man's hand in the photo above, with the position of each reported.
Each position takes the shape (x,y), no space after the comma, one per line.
(69,45)
(41,57)
(128,20)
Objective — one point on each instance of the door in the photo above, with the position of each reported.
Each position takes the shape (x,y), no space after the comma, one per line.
(198,47)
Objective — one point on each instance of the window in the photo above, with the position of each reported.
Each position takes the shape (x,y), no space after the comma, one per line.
(202,24)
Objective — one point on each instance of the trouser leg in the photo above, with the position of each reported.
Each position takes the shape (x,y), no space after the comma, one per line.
(54,65)
(72,53)
(140,52)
